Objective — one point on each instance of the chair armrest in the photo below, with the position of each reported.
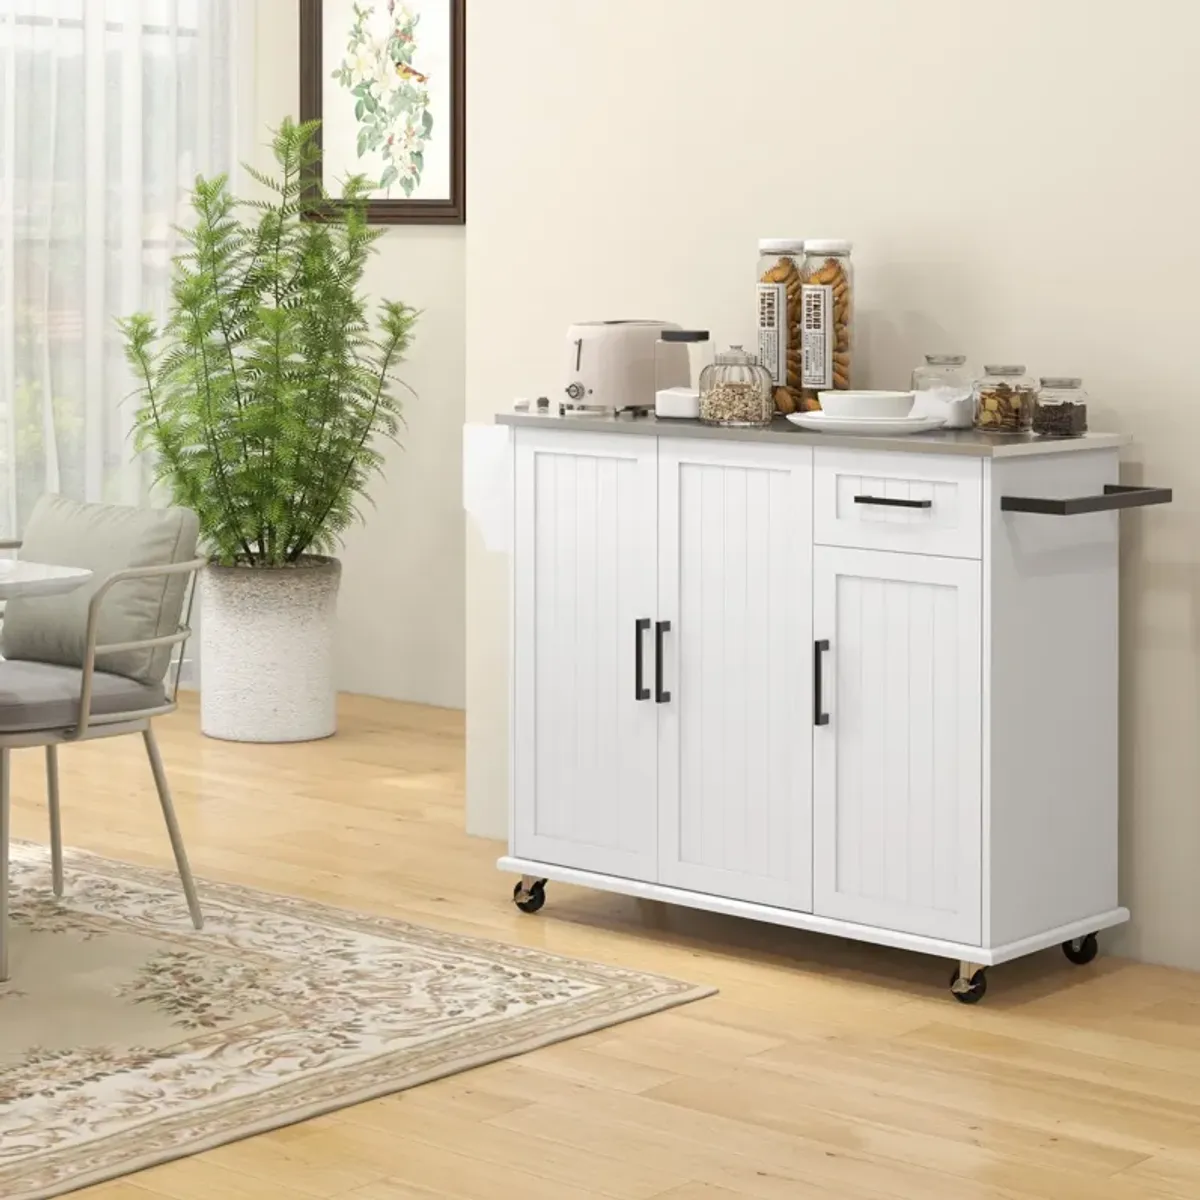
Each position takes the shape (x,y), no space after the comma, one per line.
(8,544)
(91,649)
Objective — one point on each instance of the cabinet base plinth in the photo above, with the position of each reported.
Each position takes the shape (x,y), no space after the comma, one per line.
(980,956)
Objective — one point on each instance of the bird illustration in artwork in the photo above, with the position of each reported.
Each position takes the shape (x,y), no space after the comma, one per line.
(407,72)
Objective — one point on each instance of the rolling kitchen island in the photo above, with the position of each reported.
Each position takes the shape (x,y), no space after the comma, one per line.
(859,685)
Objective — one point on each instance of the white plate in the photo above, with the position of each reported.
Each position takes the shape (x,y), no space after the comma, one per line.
(824,416)
(865,426)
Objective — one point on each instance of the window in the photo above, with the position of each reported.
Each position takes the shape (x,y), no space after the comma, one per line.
(108,110)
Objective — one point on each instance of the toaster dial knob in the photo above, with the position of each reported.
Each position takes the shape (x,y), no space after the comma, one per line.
(575,390)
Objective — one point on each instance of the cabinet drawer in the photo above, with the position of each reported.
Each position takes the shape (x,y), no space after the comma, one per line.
(936,502)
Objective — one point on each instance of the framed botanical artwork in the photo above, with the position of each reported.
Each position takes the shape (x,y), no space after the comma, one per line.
(387,81)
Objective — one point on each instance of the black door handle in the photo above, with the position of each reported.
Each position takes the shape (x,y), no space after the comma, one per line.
(661,696)
(640,692)
(888,502)
(820,717)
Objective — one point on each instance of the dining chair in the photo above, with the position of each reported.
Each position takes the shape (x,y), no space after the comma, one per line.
(94,662)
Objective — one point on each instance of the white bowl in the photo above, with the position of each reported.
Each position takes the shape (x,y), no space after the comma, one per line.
(887,405)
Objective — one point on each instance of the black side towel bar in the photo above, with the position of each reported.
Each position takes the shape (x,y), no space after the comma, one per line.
(1114,497)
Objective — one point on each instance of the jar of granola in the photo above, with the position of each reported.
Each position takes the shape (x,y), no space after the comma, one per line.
(735,389)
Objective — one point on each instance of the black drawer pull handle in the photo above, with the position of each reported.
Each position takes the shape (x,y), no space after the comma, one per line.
(820,717)
(661,695)
(640,692)
(1114,497)
(888,502)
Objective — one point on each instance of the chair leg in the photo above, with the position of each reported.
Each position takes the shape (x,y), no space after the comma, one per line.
(4,835)
(164,798)
(56,861)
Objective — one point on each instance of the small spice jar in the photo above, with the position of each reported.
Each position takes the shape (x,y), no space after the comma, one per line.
(779,263)
(826,319)
(736,389)
(1004,400)
(1061,409)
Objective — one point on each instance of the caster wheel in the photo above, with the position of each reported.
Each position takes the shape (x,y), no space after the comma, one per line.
(1082,950)
(968,991)
(530,900)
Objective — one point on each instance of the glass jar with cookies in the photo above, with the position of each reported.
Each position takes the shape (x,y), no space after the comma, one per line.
(826,319)
(779,264)
(1004,400)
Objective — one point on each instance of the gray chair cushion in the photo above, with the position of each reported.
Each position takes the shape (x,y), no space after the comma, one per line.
(43,696)
(103,538)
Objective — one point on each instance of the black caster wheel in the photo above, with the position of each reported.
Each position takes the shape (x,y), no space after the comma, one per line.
(1082,950)
(531,900)
(968,991)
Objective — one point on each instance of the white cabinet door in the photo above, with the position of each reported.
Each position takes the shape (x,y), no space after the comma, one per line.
(735,738)
(897,779)
(585,748)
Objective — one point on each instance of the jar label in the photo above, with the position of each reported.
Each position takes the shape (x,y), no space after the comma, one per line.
(816,333)
(772,330)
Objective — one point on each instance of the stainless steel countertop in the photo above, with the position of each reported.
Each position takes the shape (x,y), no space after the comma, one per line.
(961,442)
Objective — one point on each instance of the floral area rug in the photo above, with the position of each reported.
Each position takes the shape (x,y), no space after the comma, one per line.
(127,1038)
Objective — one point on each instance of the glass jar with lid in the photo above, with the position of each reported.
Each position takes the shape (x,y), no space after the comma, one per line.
(736,389)
(943,383)
(826,319)
(1004,400)
(1061,409)
(779,263)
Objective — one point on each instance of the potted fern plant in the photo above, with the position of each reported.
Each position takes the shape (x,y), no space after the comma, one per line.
(264,399)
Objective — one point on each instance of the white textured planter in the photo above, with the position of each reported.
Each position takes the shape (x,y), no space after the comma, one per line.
(266,651)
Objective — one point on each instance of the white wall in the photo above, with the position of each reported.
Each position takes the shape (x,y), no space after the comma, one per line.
(1021,182)
(401,608)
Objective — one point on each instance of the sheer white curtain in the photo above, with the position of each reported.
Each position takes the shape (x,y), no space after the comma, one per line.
(108,111)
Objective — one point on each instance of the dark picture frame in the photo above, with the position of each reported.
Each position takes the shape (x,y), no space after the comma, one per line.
(314,70)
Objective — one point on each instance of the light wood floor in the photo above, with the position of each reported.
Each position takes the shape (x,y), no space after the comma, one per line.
(823,1069)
